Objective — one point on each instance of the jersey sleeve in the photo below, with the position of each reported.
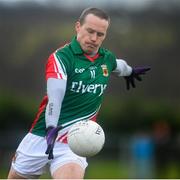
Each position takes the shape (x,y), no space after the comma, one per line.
(55,68)
(112,60)
(114,63)
(122,68)
(55,90)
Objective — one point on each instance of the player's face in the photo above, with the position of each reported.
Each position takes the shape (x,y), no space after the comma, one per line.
(91,33)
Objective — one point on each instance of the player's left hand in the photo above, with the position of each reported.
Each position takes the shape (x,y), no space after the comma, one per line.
(51,136)
(136,72)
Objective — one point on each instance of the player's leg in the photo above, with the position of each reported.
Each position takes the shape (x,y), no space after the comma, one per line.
(14,175)
(66,164)
(30,159)
(69,171)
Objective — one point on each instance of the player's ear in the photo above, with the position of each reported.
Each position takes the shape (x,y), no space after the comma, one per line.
(77,26)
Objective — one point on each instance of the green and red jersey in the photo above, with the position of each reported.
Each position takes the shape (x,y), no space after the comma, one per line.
(87,78)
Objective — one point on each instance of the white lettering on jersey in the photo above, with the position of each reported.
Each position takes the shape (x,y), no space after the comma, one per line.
(81,70)
(79,87)
(93,73)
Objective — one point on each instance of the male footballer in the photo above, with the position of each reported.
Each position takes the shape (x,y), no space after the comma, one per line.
(77,76)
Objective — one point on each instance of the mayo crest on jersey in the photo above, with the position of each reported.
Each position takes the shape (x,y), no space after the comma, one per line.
(87,78)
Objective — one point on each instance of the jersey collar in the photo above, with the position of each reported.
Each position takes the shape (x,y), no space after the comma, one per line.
(76,48)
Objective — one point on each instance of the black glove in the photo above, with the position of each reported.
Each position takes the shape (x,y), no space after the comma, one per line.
(136,72)
(51,135)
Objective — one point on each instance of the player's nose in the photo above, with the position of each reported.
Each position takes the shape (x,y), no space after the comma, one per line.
(93,37)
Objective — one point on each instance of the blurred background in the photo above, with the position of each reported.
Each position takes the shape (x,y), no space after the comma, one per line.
(141,125)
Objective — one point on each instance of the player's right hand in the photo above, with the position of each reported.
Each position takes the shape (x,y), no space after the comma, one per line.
(51,135)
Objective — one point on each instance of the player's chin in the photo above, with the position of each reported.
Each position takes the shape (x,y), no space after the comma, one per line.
(91,50)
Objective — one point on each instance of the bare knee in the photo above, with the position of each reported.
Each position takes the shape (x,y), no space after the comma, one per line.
(69,171)
(14,175)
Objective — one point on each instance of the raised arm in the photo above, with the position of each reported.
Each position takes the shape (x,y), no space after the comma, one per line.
(130,73)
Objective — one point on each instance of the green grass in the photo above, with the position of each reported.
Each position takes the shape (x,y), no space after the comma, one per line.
(105,169)
(96,169)
(111,169)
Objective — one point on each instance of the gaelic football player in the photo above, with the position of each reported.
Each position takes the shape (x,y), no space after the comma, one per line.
(77,76)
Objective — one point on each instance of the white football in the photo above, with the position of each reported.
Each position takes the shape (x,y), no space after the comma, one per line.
(86,138)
